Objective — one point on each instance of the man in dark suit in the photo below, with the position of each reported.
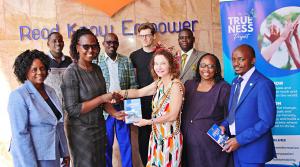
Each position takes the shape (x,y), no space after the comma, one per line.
(252,112)
(189,55)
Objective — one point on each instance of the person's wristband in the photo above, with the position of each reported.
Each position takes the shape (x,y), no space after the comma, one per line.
(152,121)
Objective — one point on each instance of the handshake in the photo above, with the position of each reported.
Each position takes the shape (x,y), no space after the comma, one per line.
(114,97)
(119,96)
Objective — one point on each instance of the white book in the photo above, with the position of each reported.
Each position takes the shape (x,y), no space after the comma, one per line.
(132,108)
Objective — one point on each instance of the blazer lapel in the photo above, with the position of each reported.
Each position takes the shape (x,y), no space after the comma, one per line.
(231,94)
(188,65)
(53,97)
(248,87)
(122,66)
(38,98)
(104,69)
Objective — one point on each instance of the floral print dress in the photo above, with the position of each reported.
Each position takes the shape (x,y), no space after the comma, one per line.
(165,143)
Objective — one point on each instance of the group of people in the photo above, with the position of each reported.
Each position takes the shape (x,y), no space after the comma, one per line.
(181,99)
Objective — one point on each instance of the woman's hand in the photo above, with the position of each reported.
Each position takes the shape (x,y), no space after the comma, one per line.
(287,32)
(117,97)
(107,98)
(120,115)
(143,122)
(65,162)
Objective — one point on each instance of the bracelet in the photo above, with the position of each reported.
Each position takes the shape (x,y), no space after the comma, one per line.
(152,121)
(126,94)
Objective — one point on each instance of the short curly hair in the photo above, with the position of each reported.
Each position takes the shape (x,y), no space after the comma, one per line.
(24,61)
(218,76)
(75,38)
(174,70)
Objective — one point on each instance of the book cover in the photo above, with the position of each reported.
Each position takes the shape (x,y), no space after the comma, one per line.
(132,108)
(215,133)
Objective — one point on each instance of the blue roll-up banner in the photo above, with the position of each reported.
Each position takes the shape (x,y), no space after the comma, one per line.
(271,27)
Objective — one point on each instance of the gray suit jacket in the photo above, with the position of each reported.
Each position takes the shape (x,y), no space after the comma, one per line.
(35,128)
(189,71)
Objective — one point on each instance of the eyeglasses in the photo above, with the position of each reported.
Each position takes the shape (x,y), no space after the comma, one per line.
(209,66)
(145,36)
(112,42)
(88,47)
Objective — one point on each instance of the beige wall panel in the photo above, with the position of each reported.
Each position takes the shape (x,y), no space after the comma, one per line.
(47,9)
(173,10)
(217,44)
(215,11)
(16,13)
(147,10)
(69,12)
(88,10)
(126,13)
(2,21)
(203,40)
(126,44)
(200,10)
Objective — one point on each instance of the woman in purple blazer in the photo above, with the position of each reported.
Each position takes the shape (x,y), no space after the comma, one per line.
(206,101)
(36,116)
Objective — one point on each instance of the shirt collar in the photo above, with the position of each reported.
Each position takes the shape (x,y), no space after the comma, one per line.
(188,52)
(107,57)
(52,57)
(248,74)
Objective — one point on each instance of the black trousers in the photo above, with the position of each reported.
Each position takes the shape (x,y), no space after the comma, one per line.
(144,132)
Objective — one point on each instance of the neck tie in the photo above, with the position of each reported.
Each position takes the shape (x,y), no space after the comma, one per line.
(183,59)
(231,116)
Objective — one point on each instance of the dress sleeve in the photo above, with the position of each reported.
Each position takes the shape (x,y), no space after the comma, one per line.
(188,87)
(70,90)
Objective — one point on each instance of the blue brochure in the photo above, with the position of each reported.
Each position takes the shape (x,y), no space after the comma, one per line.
(215,133)
(132,108)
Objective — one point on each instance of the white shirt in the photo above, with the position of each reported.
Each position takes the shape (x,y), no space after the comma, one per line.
(52,57)
(112,65)
(246,78)
(189,53)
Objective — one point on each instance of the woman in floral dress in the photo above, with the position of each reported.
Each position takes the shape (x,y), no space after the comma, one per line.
(165,144)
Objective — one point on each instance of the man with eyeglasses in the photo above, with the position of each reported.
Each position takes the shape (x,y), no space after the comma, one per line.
(119,74)
(141,61)
(189,55)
